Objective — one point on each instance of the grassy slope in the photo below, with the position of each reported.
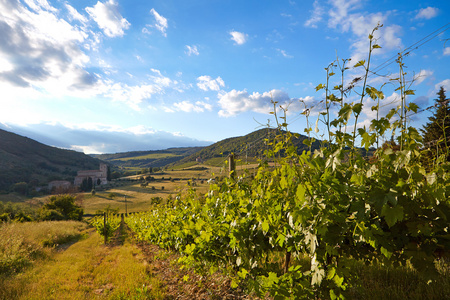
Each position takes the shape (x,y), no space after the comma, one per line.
(139,198)
(86,270)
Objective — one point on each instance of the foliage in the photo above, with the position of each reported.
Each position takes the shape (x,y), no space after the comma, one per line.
(292,230)
(106,224)
(21,188)
(86,185)
(436,133)
(61,207)
(18,212)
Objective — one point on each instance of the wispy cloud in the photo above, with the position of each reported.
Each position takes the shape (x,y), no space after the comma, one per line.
(344,16)
(188,106)
(447,51)
(427,13)
(316,15)
(423,74)
(75,15)
(207,83)
(161,23)
(238,37)
(192,50)
(283,52)
(108,18)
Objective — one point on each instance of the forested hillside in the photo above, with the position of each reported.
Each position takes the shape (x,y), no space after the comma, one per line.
(25,160)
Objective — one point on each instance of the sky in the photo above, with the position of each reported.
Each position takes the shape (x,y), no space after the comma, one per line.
(113,76)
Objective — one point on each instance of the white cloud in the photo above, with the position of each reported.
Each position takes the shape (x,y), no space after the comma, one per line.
(340,10)
(133,96)
(447,51)
(160,79)
(192,50)
(445,83)
(423,74)
(161,22)
(39,5)
(427,13)
(238,37)
(108,18)
(45,58)
(342,16)
(316,15)
(235,102)
(207,83)
(187,106)
(283,52)
(75,15)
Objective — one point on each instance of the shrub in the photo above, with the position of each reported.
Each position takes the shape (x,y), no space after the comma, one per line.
(63,206)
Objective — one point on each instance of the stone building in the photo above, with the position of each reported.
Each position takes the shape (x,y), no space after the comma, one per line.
(59,185)
(98,177)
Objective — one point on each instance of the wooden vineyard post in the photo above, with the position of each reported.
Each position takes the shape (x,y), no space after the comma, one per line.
(232,165)
(126,210)
(105,233)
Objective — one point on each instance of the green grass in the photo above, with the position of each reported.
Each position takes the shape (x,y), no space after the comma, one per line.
(383,282)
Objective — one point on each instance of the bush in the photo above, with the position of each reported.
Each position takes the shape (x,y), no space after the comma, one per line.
(51,215)
(61,207)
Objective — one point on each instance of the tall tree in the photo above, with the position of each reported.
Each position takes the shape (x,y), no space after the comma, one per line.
(436,133)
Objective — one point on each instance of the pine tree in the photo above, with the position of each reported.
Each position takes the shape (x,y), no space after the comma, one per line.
(436,133)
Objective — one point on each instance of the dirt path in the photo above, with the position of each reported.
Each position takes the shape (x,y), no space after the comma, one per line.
(185,284)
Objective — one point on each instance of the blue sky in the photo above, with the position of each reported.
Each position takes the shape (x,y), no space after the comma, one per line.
(112,76)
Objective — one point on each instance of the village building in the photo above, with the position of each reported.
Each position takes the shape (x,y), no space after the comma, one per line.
(98,177)
(59,185)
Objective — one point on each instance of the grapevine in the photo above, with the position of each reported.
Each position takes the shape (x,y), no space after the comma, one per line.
(291,230)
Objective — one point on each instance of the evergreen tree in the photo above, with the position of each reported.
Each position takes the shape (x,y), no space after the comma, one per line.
(436,133)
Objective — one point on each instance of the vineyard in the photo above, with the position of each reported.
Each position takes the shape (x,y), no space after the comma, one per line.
(294,229)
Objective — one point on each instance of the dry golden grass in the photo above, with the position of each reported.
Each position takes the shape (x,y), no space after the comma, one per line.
(138,198)
(87,270)
(22,243)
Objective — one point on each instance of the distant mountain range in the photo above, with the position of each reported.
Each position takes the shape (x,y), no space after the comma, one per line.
(25,160)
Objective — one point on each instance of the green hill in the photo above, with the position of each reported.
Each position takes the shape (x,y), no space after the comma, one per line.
(147,159)
(25,160)
(250,146)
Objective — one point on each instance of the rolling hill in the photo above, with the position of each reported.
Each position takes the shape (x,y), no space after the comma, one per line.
(250,146)
(147,159)
(25,160)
